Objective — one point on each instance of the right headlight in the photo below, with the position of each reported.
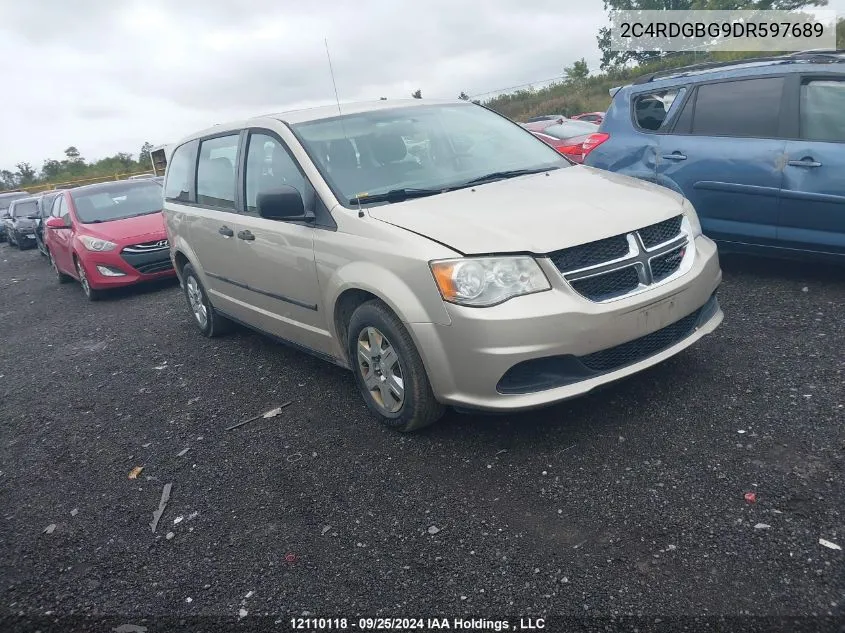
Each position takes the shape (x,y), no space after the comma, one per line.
(487,281)
(692,218)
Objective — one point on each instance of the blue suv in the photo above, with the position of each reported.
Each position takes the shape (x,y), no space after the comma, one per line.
(758,147)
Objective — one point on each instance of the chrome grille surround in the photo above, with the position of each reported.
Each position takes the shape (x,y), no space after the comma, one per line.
(147,247)
(655,265)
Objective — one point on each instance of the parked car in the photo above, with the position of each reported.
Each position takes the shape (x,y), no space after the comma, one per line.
(6,199)
(20,222)
(545,117)
(108,235)
(565,135)
(590,117)
(758,146)
(496,276)
(45,204)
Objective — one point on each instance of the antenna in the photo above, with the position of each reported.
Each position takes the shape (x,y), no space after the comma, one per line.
(340,113)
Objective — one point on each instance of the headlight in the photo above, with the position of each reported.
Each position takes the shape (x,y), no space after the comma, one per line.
(486,281)
(96,244)
(692,218)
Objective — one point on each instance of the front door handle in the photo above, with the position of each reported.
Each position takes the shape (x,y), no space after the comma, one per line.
(225,231)
(246,235)
(675,156)
(807,161)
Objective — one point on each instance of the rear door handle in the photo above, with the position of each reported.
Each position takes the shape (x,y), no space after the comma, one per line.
(225,231)
(246,235)
(675,156)
(807,161)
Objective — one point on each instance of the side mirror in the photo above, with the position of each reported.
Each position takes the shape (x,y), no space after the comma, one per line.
(282,203)
(56,223)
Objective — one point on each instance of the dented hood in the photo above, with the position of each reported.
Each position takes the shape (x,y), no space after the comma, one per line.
(538,213)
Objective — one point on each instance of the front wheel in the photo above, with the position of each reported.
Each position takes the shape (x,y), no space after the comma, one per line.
(210,322)
(389,371)
(93,295)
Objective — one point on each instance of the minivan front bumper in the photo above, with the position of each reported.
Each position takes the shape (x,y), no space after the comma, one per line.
(539,349)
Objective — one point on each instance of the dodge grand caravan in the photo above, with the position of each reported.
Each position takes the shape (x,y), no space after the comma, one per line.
(438,250)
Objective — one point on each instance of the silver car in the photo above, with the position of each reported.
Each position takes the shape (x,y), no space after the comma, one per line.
(482,271)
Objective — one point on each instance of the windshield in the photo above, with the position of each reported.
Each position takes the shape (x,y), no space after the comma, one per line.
(422,147)
(24,209)
(117,201)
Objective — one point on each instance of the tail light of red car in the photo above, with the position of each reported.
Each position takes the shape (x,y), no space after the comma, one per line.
(592,142)
(574,152)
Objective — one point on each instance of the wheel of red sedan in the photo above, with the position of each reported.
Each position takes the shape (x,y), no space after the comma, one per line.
(93,295)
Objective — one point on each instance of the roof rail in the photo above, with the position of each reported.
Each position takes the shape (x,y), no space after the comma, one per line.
(822,56)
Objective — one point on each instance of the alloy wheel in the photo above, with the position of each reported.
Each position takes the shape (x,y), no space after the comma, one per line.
(195,298)
(381,370)
(83,279)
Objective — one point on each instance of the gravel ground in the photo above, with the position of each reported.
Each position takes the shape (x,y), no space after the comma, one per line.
(629,501)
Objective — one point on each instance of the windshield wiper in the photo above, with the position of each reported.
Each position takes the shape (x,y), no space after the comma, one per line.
(395,195)
(502,175)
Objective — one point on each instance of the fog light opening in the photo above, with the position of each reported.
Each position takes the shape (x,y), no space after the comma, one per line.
(108,271)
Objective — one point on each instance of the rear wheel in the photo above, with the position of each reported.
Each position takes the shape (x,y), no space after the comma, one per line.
(389,371)
(93,295)
(60,276)
(208,320)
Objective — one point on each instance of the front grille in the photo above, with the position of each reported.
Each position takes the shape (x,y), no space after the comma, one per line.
(661,232)
(591,254)
(639,349)
(147,247)
(613,284)
(155,267)
(666,265)
(624,264)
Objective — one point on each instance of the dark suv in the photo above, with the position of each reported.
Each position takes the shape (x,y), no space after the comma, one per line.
(5,200)
(20,224)
(758,147)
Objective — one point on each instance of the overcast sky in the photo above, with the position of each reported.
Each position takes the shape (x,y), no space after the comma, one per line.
(107,75)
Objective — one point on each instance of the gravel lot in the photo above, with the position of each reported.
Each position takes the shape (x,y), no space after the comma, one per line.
(629,501)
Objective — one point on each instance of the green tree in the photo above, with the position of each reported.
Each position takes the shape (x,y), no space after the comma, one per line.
(73,155)
(463,96)
(144,155)
(840,34)
(615,59)
(26,174)
(50,169)
(8,180)
(417,94)
(577,72)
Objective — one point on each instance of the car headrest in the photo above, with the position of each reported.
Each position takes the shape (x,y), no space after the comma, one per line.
(342,154)
(388,148)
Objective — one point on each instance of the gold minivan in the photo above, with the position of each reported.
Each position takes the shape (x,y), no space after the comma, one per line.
(438,250)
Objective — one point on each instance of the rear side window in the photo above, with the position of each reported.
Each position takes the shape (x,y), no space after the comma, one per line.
(823,111)
(216,171)
(746,108)
(180,173)
(654,111)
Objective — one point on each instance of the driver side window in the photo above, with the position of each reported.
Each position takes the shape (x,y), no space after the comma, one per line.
(269,166)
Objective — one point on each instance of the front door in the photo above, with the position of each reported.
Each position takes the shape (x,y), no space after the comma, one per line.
(812,209)
(284,291)
(725,155)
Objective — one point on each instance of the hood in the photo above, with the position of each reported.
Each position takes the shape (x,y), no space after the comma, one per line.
(538,213)
(139,229)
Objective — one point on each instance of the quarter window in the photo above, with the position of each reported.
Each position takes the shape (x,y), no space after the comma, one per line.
(823,111)
(180,173)
(747,108)
(654,111)
(268,165)
(216,172)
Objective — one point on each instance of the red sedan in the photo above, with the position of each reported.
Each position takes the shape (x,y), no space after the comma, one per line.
(565,135)
(592,117)
(108,235)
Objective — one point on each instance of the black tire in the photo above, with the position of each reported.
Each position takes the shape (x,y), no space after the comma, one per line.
(60,276)
(215,323)
(90,293)
(419,408)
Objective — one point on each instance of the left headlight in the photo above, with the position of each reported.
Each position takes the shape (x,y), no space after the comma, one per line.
(692,218)
(487,281)
(96,244)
